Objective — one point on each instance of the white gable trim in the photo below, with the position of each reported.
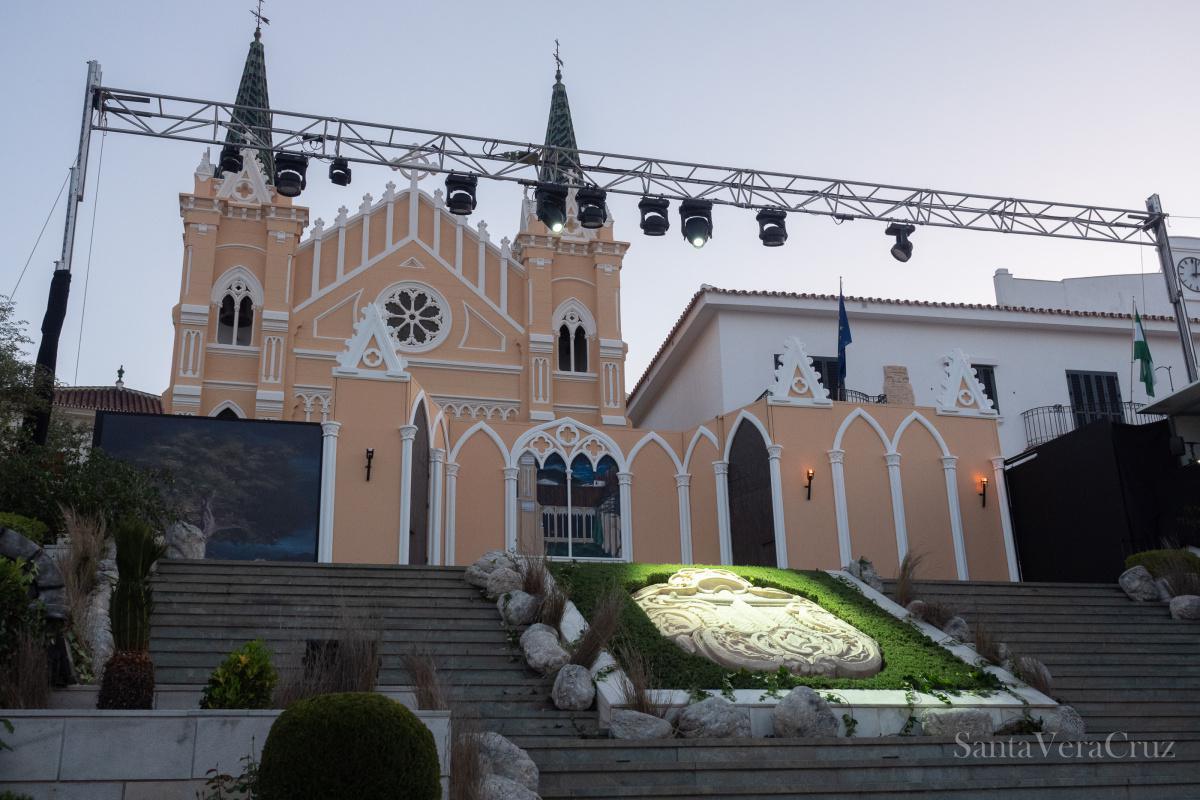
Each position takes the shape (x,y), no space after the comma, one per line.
(359,349)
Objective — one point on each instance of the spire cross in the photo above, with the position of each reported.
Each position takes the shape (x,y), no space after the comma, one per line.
(557,61)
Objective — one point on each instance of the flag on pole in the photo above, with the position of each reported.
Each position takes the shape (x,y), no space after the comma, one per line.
(1141,353)
(844,337)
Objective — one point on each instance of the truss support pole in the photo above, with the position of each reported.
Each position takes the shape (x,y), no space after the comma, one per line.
(60,285)
(1158,221)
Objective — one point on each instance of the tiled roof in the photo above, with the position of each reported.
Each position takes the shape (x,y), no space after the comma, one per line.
(879,300)
(107,398)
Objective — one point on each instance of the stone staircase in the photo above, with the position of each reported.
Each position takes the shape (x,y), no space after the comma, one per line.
(205,609)
(1124,666)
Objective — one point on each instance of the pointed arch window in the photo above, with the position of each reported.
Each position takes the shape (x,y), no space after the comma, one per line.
(580,508)
(573,330)
(235,317)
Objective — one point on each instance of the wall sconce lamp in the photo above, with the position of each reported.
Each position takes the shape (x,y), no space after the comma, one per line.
(983,491)
(370,455)
(808,485)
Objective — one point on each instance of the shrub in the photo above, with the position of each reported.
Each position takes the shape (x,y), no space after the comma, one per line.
(349,662)
(137,550)
(987,645)
(638,689)
(602,624)
(15,613)
(32,529)
(79,564)
(426,682)
(245,679)
(906,578)
(936,613)
(128,681)
(25,673)
(552,608)
(533,575)
(356,745)
(1178,567)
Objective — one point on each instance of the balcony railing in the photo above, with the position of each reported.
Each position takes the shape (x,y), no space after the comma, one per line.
(854,396)
(1049,422)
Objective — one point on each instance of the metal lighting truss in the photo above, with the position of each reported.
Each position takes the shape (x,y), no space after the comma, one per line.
(324,137)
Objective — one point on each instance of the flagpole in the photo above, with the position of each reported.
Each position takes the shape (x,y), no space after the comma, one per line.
(1132,354)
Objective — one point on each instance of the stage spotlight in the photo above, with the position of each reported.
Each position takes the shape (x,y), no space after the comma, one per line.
(460,193)
(231,160)
(695,216)
(592,213)
(290,172)
(551,200)
(902,249)
(654,215)
(772,226)
(339,172)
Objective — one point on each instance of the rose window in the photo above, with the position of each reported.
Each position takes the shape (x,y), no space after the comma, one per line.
(416,317)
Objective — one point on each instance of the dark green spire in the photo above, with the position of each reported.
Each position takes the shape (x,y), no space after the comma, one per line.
(560,132)
(252,91)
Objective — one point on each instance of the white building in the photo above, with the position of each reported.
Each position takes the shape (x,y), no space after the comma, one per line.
(1051,354)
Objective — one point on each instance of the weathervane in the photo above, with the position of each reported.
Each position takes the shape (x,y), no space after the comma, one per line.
(258,15)
(558,62)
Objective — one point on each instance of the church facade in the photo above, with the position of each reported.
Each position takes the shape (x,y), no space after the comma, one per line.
(472,396)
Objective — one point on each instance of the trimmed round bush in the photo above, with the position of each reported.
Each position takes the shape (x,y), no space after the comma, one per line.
(359,745)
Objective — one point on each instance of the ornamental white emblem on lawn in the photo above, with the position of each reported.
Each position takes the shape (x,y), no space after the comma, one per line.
(723,617)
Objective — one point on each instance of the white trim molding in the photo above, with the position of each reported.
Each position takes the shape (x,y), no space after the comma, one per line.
(721,474)
(1010,548)
(329,437)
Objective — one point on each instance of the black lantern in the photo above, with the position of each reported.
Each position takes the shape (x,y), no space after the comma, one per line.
(772,226)
(902,249)
(695,216)
(290,174)
(460,193)
(654,215)
(592,212)
(551,202)
(231,159)
(339,172)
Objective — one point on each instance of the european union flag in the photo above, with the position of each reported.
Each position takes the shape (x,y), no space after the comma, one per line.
(844,338)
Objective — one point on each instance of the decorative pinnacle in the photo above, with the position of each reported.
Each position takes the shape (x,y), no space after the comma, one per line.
(558,64)
(258,15)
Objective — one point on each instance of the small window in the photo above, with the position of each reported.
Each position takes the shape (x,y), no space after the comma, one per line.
(987,376)
(235,317)
(564,349)
(1094,396)
(580,352)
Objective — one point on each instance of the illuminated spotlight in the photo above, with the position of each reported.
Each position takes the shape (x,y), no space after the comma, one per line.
(772,226)
(460,193)
(654,215)
(551,200)
(696,218)
(339,172)
(592,213)
(231,159)
(902,249)
(290,171)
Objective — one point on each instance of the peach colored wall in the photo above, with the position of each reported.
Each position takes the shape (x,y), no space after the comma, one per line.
(809,522)
(479,511)
(655,506)
(926,511)
(868,498)
(706,547)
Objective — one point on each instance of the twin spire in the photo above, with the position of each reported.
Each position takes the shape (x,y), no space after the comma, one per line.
(252,92)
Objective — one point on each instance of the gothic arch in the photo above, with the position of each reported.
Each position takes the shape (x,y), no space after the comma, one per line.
(921,420)
(228,405)
(573,305)
(701,433)
(859,413)
(745,415)
(480,427)
(654,437)
(751,506)
(558,437)
(253,287)
(412,410)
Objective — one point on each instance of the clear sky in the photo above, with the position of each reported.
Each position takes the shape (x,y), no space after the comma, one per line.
(1092,102)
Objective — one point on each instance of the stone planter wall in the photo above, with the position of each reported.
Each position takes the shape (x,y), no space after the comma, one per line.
(143,755)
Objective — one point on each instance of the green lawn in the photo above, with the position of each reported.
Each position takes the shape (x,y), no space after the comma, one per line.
(910,660)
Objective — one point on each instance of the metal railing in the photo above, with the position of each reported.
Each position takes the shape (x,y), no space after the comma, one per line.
(1049,422)
(854,396)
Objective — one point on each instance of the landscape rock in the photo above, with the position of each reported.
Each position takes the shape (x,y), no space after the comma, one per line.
(185,540)
(713,718)
(950,722)
(864,570)
(1065,723)
(502,580)
(1139,584)
(573,688)
(1186,606)
(629,724)
(97,628)
(957,628)
(13,545)
(48,574)
(803,712)
(518,607)
(498,756)
(477,576)
(493,560)
(54,601)
(497,787)
(543,652)
(916,609)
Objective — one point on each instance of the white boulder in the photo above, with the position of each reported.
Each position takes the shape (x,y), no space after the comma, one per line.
(950,722)
(1185,606)
(573,688)
(713,718)
(1065,723)
(1139,584)
(185,540)
(498,756)
(803,712)
(477,576)
(503,580)
(543,652)
(957,628)
(518,607)
(629,724)
(864,570)
(493,560)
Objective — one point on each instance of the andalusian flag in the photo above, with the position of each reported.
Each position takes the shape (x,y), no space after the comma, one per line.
(1141,353)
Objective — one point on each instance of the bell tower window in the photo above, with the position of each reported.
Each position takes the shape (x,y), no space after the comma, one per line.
(235,317)
(575,326)
(579,363)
